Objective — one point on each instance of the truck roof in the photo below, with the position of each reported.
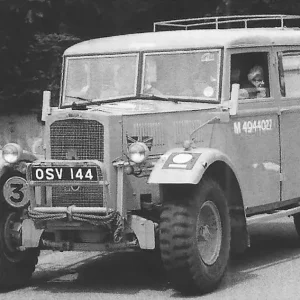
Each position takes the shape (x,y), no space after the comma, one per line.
(185,39)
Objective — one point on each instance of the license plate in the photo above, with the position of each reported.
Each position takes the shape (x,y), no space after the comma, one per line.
(64,174)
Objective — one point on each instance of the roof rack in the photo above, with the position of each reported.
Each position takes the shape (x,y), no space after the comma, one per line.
(240,21)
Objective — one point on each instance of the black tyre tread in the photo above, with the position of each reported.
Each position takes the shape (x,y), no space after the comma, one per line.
(178,248)
(18,274)
(14,274)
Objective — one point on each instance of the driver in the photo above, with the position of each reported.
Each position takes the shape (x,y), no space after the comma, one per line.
(256,85)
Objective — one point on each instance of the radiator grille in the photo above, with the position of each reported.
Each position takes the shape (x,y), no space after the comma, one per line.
(85,196)
(80,139)
(84,138)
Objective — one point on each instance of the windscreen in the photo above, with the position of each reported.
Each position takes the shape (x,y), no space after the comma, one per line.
(185,74)
(97,78)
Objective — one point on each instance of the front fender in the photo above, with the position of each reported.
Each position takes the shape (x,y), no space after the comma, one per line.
(166,171)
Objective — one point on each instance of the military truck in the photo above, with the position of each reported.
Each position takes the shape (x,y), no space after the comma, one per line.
(172,141)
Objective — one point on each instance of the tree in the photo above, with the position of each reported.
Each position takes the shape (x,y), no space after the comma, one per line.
(34,33)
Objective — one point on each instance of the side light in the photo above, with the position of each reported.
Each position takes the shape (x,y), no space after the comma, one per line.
(138,152)
(11,153)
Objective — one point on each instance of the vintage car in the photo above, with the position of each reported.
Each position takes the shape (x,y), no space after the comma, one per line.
(173,141)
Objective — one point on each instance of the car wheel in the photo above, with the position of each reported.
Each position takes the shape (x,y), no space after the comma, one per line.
(16,267)
(195,238)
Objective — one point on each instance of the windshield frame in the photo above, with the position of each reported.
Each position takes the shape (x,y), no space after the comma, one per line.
(187,51)
(97,56)
(140,76)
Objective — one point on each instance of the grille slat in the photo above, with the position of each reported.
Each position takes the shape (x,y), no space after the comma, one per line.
(77,139)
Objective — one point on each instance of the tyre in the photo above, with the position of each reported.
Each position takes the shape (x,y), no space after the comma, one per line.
(16,267)
(195,237)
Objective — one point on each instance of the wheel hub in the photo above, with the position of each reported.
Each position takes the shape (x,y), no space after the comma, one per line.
(12,236)
(204,233)
(209,232)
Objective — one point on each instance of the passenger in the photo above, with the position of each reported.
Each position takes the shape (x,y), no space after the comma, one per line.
(256,85)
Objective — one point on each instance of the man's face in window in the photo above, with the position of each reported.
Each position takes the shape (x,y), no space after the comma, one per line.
(258,81)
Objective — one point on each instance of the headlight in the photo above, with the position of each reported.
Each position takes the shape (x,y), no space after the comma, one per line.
(138,152)
(11,152)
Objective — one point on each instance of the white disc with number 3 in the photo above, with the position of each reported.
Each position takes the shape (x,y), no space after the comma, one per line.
(15,191)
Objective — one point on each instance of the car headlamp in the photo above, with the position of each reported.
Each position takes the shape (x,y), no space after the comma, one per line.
(138,152)
(11,152)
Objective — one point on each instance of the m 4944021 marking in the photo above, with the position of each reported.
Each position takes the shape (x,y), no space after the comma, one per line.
(253,126)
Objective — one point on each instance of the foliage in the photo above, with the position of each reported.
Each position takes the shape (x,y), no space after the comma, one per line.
(34,34)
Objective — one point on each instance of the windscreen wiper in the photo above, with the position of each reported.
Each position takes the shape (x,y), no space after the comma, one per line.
(79,106)
(157,97)
(80,98)
(162,98)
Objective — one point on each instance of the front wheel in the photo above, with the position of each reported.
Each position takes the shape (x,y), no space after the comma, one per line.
(16,267)
(195,237)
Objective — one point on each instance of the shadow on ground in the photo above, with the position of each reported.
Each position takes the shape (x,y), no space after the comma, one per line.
(121,272)
(132,272)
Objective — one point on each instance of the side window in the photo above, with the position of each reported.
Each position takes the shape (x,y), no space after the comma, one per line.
(289,74)
(251,71)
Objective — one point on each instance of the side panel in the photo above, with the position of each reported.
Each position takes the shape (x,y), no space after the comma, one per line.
(289,76)
(290,139)
(168,130)
(253,147)
(252,140)
(249,144)
(249,140)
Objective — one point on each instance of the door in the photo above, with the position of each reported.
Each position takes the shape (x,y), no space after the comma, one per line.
(256,151)
(289,78)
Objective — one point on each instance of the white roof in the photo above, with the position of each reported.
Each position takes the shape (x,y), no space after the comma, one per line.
(182,39)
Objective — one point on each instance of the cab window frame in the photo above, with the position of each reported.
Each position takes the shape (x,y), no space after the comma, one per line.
(284,93)
(265,55)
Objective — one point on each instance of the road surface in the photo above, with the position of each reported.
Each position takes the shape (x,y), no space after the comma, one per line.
(270,269)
